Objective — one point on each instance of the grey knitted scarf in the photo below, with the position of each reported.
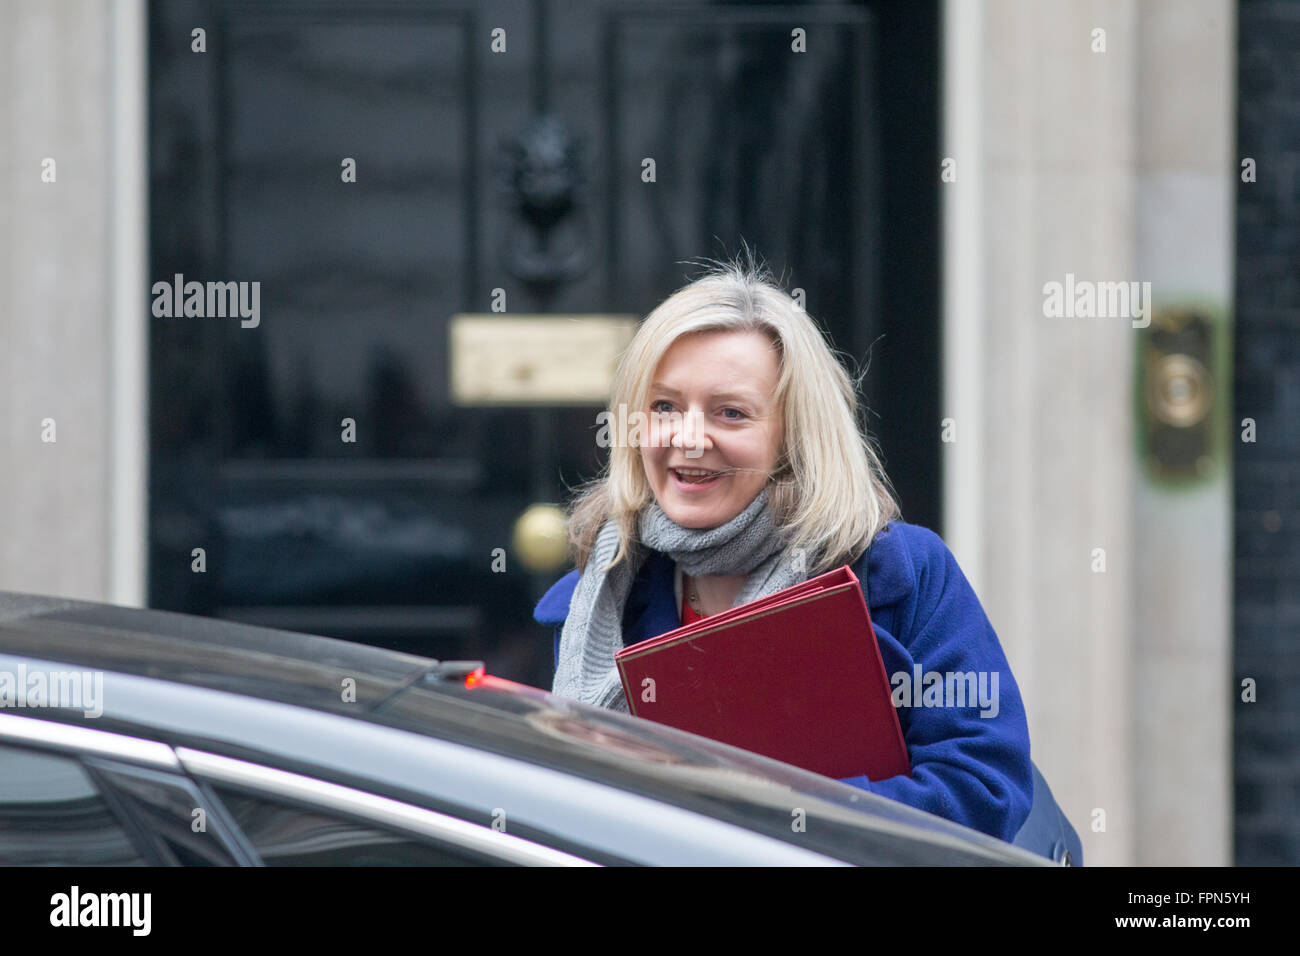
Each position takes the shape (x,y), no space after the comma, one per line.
(748,544)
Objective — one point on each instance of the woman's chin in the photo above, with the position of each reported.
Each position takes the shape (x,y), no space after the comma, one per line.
(697,515)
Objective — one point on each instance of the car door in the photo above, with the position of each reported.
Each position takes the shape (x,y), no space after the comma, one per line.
(67,798)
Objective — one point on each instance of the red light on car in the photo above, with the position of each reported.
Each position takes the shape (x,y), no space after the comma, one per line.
(474,677)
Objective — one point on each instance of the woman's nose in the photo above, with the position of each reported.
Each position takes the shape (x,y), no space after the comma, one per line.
(691,435)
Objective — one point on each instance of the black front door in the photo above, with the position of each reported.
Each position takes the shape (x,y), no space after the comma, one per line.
(380,168)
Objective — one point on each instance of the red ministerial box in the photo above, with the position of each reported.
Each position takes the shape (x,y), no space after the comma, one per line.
(796,676)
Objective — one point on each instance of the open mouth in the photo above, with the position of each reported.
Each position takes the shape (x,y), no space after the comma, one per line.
(694,477)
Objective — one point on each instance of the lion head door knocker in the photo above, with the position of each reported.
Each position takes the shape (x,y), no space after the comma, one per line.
(547,241)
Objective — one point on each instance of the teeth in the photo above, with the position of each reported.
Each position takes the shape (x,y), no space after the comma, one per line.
(693,472)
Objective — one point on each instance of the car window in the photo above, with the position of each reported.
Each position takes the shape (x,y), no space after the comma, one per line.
(52,814)
(287,834)
(174,817)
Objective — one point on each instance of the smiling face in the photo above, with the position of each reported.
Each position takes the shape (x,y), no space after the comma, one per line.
(712,409)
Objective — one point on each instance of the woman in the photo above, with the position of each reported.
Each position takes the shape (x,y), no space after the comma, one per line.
(737,469)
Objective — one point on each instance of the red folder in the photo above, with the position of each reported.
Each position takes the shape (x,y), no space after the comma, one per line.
(796,676)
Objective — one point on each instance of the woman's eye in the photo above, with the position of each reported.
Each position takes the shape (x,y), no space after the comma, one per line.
(738,416)
(654,406)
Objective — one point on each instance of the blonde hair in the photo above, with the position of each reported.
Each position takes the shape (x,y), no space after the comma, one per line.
(828,492)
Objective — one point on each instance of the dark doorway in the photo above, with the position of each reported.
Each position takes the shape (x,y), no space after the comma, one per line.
(478,171)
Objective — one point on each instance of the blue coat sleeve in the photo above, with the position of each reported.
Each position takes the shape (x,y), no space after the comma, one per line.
(553,608)
(970,764)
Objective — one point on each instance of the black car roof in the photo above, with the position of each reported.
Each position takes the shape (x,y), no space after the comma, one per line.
(276,665)
(401,691)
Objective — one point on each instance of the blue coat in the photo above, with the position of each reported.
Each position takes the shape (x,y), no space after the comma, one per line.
(967,768)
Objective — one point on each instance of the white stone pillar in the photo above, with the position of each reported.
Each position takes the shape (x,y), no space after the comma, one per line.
(72,298)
